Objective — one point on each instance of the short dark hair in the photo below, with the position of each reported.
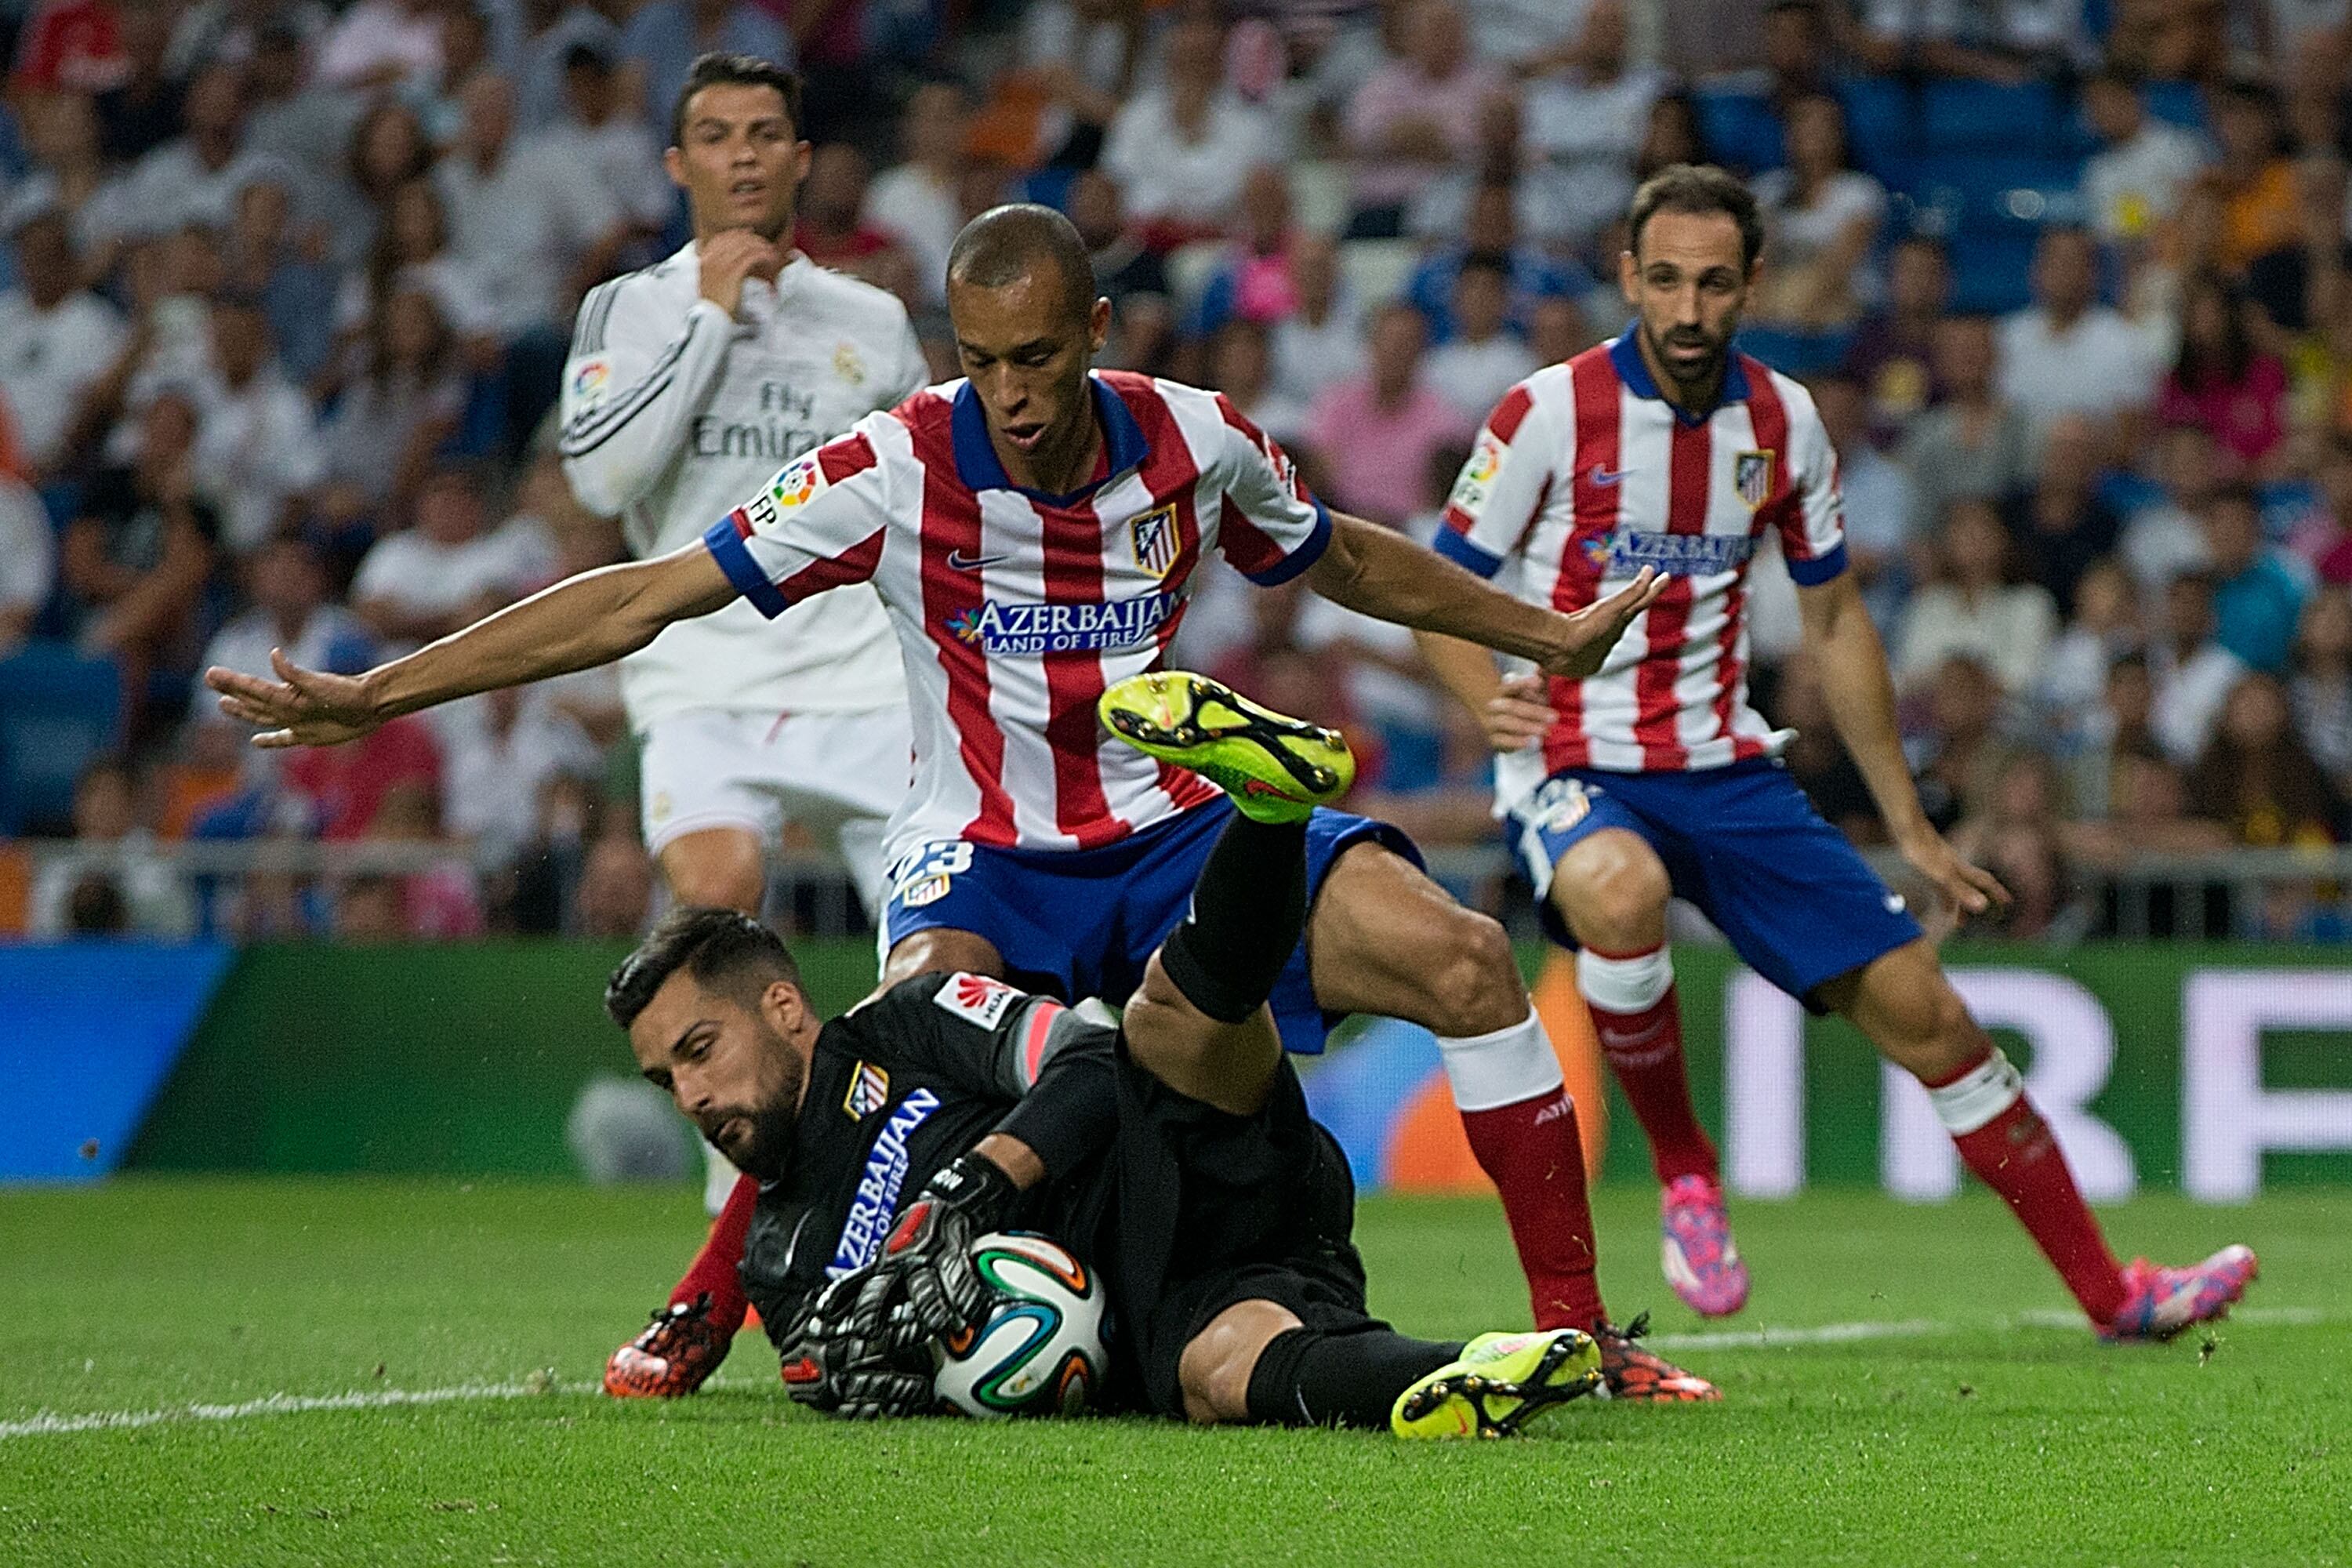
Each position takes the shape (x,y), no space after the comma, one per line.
(734,70)
(2236,492)
(588,57)
(1008,242)
(1494,261)
(1699,189)
(723,950)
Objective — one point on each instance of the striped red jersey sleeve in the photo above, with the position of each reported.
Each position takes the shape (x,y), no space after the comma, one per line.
(818,524)
(1271,528)
(1808,512)
(1524,449)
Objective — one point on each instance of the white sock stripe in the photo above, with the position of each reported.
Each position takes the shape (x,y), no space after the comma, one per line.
(1978,1096)
(1625,984)
(1503,1067)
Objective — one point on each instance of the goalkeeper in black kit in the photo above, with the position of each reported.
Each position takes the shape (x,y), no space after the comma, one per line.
(1174,1151)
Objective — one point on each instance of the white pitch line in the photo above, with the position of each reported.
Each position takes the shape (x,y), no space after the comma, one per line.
(46,1424)
(1928,1328)
(49,1424)
(1819,1334)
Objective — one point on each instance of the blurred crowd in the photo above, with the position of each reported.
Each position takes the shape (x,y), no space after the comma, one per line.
(286,290)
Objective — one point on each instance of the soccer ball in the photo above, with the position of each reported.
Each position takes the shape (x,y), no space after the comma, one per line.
(1038,1350)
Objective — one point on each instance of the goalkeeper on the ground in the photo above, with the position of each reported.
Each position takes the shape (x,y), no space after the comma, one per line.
(1175,1151)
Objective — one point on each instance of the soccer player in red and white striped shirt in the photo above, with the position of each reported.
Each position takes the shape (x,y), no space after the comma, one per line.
(1654,777)
(1032,530)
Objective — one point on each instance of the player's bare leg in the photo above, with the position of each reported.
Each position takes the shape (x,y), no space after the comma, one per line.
(1903,1004)
(717,868)
(1214,1373)
(1385,939)
(1199,1024)
(940,948)
(1611,890)
(1229,1065)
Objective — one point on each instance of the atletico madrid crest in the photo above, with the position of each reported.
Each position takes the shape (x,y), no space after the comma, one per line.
(869,1091)
(1154,537)
(1751,476)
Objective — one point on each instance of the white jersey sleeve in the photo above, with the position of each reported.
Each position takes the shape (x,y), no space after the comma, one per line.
(1271,528)
(913,371)
(820,523)
(1527,443)
(637,378)
(1811,516)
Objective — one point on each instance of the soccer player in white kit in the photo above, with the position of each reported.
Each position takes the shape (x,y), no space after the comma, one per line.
(688,385)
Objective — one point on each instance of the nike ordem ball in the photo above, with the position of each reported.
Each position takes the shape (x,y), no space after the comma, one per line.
(1038,1350)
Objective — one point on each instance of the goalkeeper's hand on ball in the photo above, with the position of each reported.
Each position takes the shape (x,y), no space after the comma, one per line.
(827,1346)
(834,1362)
(928,1254)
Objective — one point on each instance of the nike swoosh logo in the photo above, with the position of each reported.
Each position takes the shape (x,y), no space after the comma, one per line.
(1616,1040)
(1600,476)
(962,562)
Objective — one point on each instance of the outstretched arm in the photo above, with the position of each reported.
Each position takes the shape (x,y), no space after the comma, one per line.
(1514,711)
(582,621)
(1385,575)
(1861,697)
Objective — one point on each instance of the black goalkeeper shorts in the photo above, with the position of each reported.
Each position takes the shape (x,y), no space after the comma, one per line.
(1211,1209)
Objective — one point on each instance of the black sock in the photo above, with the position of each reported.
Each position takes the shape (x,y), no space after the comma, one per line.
(1248,909)
(1306,1378)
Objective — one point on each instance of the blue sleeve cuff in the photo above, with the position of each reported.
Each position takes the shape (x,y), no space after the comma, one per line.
(1456,547)
(727,548)
(1300,559)
(1812,574)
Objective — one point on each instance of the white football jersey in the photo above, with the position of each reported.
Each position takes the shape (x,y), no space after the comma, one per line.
(673,411)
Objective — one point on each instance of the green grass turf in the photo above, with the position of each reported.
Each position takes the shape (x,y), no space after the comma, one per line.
(1995,1441)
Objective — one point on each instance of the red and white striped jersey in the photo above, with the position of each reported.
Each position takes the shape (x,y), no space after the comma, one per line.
(1014,609)
(1583,475)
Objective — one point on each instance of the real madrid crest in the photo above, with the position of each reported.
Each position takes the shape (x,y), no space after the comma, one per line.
(846,364)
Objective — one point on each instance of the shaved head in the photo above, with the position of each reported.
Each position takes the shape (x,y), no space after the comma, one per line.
(1005,245)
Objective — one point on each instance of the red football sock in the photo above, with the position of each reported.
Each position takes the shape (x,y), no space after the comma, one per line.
(714,1269)
(1522,1127)
(2005,1141)
(1532,1153)
(1638,1021)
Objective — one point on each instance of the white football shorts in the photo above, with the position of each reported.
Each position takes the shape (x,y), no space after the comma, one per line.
(840,775)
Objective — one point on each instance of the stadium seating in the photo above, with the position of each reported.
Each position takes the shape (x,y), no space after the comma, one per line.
(1995,117)
(58,710)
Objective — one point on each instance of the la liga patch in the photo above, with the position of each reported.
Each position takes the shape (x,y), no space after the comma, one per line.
(591,380)
(802,483)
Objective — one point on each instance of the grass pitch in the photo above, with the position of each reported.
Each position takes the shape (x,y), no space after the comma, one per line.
(171,1346)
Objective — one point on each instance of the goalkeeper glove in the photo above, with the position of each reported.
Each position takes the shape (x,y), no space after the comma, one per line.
(930,1253)
(833,1365)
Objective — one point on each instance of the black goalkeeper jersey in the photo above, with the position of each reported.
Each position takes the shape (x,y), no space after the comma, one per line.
(903,1086)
